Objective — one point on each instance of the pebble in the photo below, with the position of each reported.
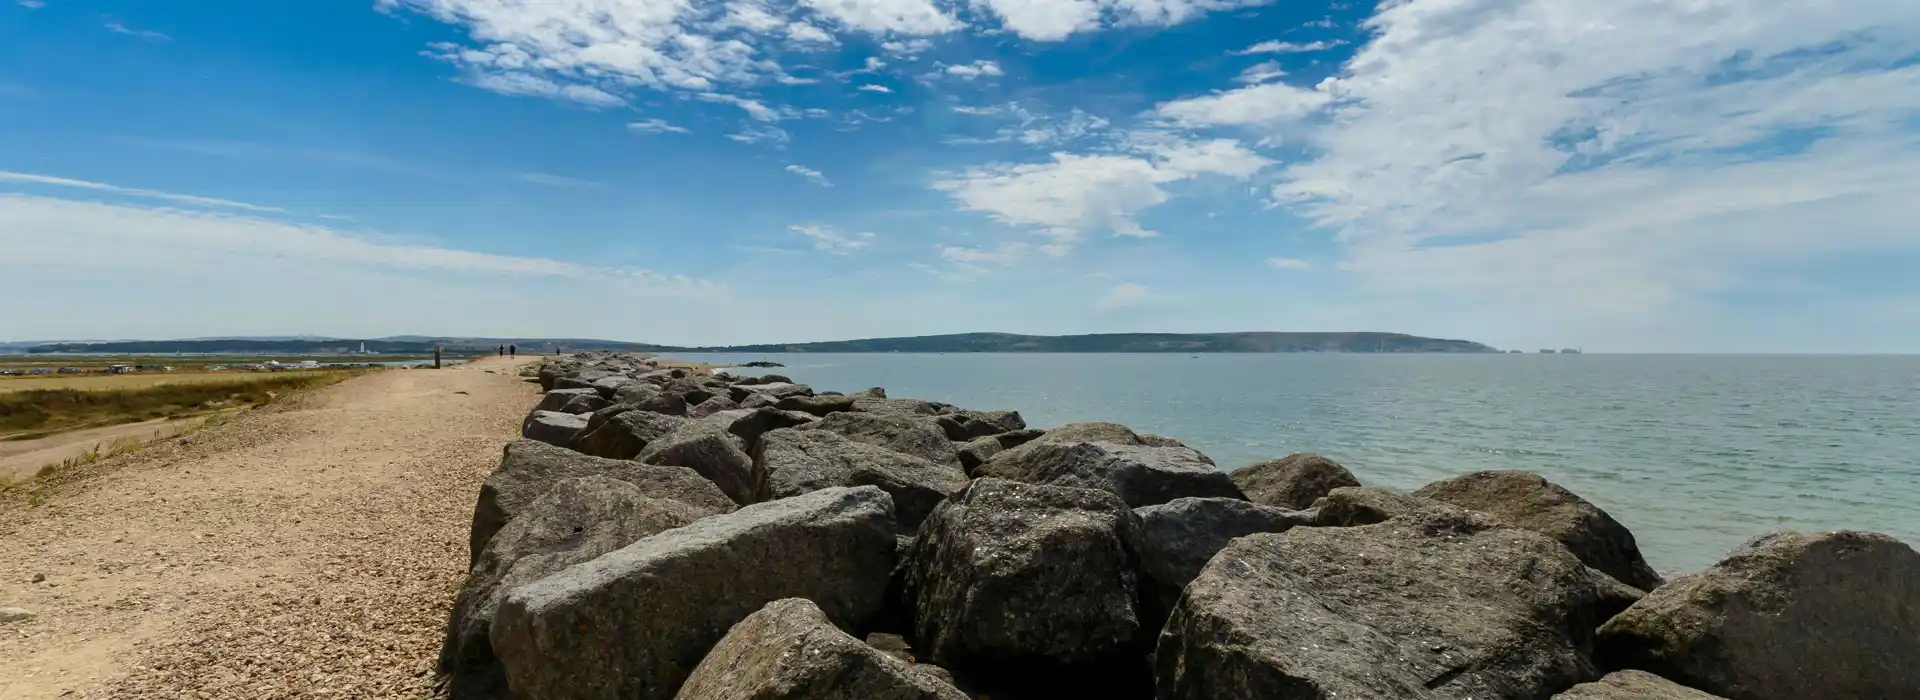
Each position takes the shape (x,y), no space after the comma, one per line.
(15,614)
(38,578)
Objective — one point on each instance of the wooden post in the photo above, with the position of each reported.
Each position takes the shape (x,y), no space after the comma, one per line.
(436,357)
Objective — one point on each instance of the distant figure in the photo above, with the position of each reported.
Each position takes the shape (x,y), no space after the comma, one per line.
(502,351)
(513,351)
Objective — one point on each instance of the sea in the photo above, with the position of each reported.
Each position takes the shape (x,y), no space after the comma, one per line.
(1694,453)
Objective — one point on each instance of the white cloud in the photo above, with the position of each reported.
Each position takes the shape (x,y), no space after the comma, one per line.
(977,111)
(655,126)
(976,69)
(1071,193)
(530,85)
(562,181)
(57,232)
(908,17)
(1270,104)
(906,49)
(33,4)
(1261,73)
(119,28)
(1004,254)
(1603,170)
(1277,46)
(882,89)
(1288,264)
(1122,296)
(827,240)
(810,174)
(134,192)
(760,133)
(1047,20)
(803,32)
(753,108)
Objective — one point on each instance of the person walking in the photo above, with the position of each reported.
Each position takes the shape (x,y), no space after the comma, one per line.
(513,351)
(502,351)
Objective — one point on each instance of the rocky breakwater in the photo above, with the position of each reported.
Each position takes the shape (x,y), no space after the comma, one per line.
(666,533)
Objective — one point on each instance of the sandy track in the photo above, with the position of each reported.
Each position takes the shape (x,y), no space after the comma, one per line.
(307,550)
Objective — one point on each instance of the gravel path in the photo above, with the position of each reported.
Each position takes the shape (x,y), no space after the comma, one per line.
(306,550)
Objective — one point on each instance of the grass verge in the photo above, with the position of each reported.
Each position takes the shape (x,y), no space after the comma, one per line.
(38,413)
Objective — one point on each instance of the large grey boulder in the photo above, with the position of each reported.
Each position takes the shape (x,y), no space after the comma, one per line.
(777,390)
(750,423)
(552,427)
(710,450)
(791,462)
(1788,615)
(977,451)
(1294,481)
(1528,501)
(711,406)
(1011,463)
(1179,537)
(920,438)
(1368,505)
(1018,585)
(819,405)
(554,400)
(789,650)
(625,434)
(632,624)
(585,404)
(607,387)
(576,520)
(1402,610)
(961,426)
(1140,474)
(1633,685)
(899,407)
(529,468)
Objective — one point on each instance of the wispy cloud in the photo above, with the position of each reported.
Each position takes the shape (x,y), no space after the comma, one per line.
(119,28)
(828,240)
(759,133)
(1277,46)
(521,84)
(33,4)
(976,69)
(655,126)
(562,181)
(51,181)
(754,108)
(1121,296)
(882,89)
(810,174)
(1288,264)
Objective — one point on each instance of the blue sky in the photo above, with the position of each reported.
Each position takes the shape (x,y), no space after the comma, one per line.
(1638,175)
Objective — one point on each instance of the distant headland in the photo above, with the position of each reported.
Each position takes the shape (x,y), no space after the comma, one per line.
(1245,342)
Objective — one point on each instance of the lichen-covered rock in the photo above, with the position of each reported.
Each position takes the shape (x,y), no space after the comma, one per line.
(585,404)
(606,387)
(711,406)
(552,427)
(777,390)
(1527,500)
(1011,462)
(758,401)
(624,434)
(1023,586)
(790,462)
(1403,610)
(961,426)
(576,520)
(976,452)
(917,437)
(529,468)
(1141,475)
(899,407)
(750,423)
(789,650)
(1367,505)
(554,400)
(710,450)
(1294,481)
(1633,685)
(1179,537)
(1786,616)
(632,624)
(819,405)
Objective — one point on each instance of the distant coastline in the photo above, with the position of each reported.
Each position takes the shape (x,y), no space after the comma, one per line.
(1244,342)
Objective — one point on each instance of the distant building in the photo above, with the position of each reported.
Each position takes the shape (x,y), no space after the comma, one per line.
(1547,351)
(1569,351)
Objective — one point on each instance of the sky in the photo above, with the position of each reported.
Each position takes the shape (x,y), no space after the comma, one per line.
(1631,175)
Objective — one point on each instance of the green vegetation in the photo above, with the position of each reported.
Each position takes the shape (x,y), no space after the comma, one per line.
(40,412)
(1361,342)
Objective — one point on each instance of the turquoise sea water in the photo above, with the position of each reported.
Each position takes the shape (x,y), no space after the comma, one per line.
(1695,453)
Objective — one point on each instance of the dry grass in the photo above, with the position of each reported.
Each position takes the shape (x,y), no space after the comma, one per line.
(33,413)
(120,382)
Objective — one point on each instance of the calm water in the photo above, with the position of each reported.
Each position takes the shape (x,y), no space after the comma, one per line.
(1694,453)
